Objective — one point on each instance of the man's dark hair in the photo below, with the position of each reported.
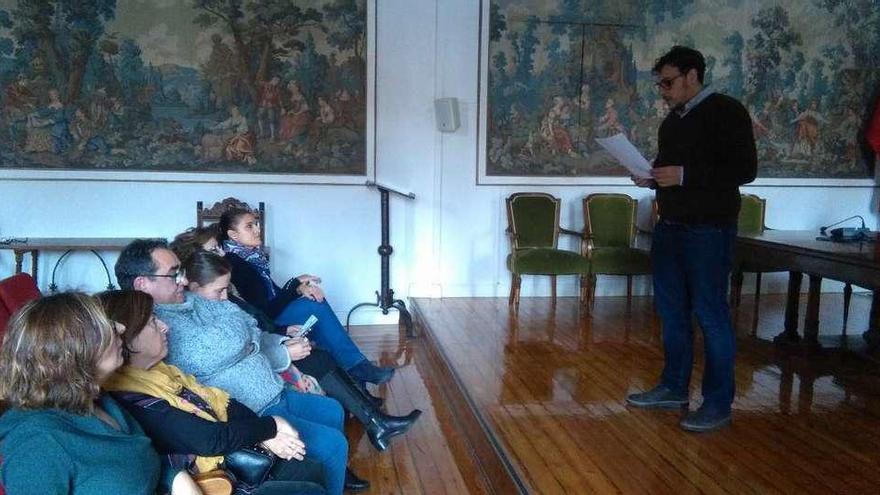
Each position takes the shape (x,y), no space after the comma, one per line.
(137,260)
(684,59)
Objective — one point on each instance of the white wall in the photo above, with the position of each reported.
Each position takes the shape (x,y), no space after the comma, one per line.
(449,242)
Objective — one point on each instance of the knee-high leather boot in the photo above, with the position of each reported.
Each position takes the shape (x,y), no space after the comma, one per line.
(380,427)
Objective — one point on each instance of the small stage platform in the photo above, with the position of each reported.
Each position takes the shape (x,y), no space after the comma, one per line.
(537,398)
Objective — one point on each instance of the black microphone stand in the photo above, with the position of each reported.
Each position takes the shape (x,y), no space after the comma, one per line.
(385,296)
(822,230)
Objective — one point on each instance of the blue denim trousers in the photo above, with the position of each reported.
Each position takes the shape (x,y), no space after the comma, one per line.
(319,421)
(691,266)
(328,333)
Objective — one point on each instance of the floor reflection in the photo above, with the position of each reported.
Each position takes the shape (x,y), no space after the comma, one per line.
(550,381)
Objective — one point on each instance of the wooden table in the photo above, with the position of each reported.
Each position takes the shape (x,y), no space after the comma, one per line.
(33,246)
(856,263)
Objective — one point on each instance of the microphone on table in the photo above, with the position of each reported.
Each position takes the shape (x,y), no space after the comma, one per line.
(846,233)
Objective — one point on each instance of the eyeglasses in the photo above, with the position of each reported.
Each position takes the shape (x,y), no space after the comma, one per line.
(666,82)
(178,276)
(216,250)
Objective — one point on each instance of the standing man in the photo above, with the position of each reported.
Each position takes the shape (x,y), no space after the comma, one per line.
(706,151)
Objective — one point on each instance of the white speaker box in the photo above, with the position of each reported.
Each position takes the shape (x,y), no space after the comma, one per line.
(446,114)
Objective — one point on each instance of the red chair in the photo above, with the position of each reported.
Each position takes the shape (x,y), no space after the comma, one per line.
(4,318)
(15,292)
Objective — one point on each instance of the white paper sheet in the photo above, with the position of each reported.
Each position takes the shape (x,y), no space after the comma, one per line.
(623,150)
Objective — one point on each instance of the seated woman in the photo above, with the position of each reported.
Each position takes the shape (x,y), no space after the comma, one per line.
(62,435)
(239,233)
(209,276)
(192,425)
(216,342)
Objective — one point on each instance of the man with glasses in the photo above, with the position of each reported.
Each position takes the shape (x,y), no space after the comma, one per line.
(149,266)
(706,151)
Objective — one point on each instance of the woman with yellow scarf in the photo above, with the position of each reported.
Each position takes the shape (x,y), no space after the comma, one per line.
(193,426)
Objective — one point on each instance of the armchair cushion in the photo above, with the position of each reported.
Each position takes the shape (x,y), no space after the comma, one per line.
(534,219)
(620,261)
(4,318)
(547,261)
(15,292)
(751,215)
(18,290)
(611,221)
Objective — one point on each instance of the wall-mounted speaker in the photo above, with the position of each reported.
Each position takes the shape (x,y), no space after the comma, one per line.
(446,114)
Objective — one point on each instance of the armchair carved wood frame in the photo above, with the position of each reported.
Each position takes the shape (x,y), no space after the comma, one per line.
(533,229)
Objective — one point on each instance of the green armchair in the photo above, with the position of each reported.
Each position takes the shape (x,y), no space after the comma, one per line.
(610,232)
(750,222)
(533,229)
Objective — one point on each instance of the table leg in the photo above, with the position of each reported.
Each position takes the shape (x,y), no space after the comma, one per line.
(872,335)
(19,259)
(790,334)
(811,320)
(35,257)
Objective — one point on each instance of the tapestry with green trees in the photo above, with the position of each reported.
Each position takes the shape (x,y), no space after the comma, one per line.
(564,72)
(234,86)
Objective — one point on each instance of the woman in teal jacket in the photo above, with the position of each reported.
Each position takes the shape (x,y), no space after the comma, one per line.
(61,435)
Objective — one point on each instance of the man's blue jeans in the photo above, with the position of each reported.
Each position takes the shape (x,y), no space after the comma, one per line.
(691,265)
(328,333)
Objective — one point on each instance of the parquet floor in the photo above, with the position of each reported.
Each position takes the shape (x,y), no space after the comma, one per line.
(548,382)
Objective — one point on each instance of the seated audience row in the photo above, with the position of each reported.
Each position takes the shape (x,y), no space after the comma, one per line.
(229,381)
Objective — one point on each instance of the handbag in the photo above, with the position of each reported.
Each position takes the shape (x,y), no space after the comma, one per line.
(250,465)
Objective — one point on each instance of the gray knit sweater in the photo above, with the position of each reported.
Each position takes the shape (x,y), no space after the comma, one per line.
(223,347)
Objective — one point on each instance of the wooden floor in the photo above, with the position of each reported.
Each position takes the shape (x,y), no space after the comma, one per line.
(433,457)
(549,383)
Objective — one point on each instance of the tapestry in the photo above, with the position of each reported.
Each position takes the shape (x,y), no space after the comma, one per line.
(216,86)
(564,72)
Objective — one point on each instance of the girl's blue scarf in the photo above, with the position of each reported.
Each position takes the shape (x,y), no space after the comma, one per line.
(257,258)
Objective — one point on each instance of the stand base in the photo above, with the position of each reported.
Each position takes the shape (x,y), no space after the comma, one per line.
(404,319)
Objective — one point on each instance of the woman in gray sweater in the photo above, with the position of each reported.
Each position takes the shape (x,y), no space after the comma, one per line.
(222,347)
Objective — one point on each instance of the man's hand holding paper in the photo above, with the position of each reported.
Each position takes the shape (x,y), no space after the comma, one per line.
(668,175)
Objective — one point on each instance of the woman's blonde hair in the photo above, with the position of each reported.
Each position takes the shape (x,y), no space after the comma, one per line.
(50,353)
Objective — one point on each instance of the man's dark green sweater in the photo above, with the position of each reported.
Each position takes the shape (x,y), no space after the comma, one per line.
(714,144)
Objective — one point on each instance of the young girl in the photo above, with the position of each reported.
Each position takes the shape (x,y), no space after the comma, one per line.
(209,276)
(300,298)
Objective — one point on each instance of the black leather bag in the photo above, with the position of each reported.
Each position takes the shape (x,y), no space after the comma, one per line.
(250,465)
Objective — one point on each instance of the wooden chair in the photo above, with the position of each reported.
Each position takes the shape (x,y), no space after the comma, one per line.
(533,229)
(752,213)
(208,216)
(610,233)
